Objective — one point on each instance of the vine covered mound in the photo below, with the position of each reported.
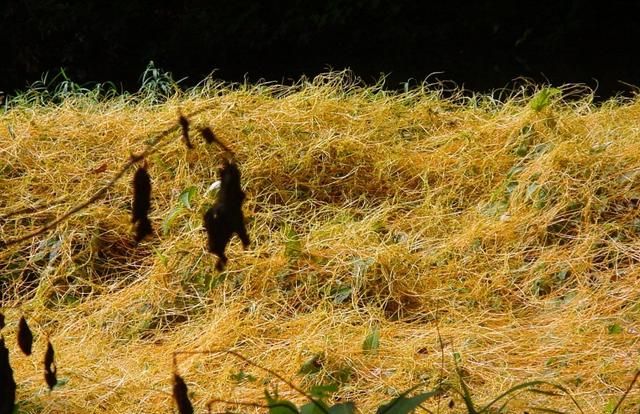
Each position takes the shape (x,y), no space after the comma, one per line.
(510,225)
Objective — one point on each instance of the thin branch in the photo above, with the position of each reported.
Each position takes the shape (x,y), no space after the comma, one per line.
(152,147)
(43,205)
(635,378)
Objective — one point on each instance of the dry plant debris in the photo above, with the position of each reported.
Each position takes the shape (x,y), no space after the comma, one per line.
(516,225)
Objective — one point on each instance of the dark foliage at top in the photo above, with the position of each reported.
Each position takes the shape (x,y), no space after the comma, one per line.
(225,218)
(483,44)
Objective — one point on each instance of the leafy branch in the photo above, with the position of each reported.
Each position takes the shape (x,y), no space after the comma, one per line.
(152,148)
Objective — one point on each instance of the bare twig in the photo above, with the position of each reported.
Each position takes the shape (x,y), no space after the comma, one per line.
(43,205)
(633,381)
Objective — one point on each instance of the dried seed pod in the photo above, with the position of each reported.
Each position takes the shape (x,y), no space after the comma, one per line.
(143,229)
(50,368)
(225,218)
(141,203)
(184,124)
(180,395)
(1,321)
(7,383)
(211,138)
(208,135)
(25,337)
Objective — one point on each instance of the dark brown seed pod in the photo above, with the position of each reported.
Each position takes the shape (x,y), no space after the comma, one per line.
(226,218)
(141,204)
(50,368)
(184,124)
(7,383)
(181,396)
(1,320)
(208,135)
(143,229)
(211,138)
(25,337)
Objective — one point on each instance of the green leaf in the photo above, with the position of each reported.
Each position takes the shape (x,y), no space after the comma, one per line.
(282,407)
(323,391)
(404,405)
(562,275)
(342,294)
(531,190)
(163,259)
(61,382)
(514,171)
(614,329)
(313,365)
(293,245)
(313,408)
(523,149)
(543,198)
(372,341)
(242,376)
(343,408)
(157,160)
(360,266)
(609,407)
(457,358)
(495,208)
(279,406)
(528,386)
(543,98)
(187,195)
(168,221)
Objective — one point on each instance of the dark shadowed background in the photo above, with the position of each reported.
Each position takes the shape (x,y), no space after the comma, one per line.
(480,44)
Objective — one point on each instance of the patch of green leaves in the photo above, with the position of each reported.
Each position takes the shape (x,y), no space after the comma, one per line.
(341,294)
(372,341)
(242,376)
(185,202)
(404,404)
(323,391)
(187,195)
(167,223)
(312,365)
(544,98)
